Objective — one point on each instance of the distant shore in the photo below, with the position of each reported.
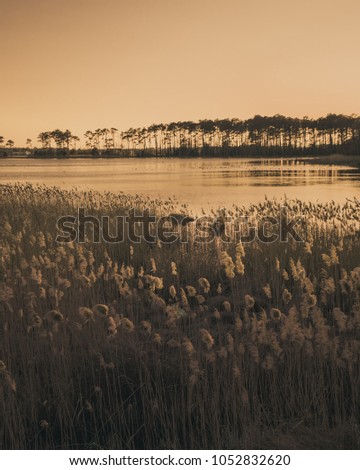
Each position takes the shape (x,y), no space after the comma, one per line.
(331,159)
(335,159)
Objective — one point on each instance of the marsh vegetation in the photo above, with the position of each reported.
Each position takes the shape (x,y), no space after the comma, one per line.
(145,346)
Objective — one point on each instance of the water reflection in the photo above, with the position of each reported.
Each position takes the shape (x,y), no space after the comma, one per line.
(198,183)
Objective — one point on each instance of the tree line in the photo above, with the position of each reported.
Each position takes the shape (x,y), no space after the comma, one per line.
(260,135)
(9,143)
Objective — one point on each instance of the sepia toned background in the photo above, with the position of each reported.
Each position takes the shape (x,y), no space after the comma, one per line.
(81,64)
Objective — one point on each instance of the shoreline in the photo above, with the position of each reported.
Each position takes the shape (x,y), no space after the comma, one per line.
(331,159)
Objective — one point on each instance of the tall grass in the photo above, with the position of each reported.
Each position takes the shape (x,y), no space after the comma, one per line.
(140,346)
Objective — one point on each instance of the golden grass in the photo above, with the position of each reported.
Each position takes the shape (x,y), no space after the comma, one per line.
(195,346)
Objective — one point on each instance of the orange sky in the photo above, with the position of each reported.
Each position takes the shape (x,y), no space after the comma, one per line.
(84,64)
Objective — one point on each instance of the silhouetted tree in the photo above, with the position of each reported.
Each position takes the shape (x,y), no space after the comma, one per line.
(260,135)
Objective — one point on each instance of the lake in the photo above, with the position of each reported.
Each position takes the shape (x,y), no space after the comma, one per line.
(199,183)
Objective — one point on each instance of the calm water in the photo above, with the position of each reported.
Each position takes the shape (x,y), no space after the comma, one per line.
(199,183)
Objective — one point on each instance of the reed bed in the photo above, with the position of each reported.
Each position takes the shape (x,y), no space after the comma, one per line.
(182,346)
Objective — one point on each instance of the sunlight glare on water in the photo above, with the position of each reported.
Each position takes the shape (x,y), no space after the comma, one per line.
(198,183)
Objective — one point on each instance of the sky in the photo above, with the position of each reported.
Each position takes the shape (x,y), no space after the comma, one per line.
(85,64)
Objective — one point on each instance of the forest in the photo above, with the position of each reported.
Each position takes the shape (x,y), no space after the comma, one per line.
(260,135)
